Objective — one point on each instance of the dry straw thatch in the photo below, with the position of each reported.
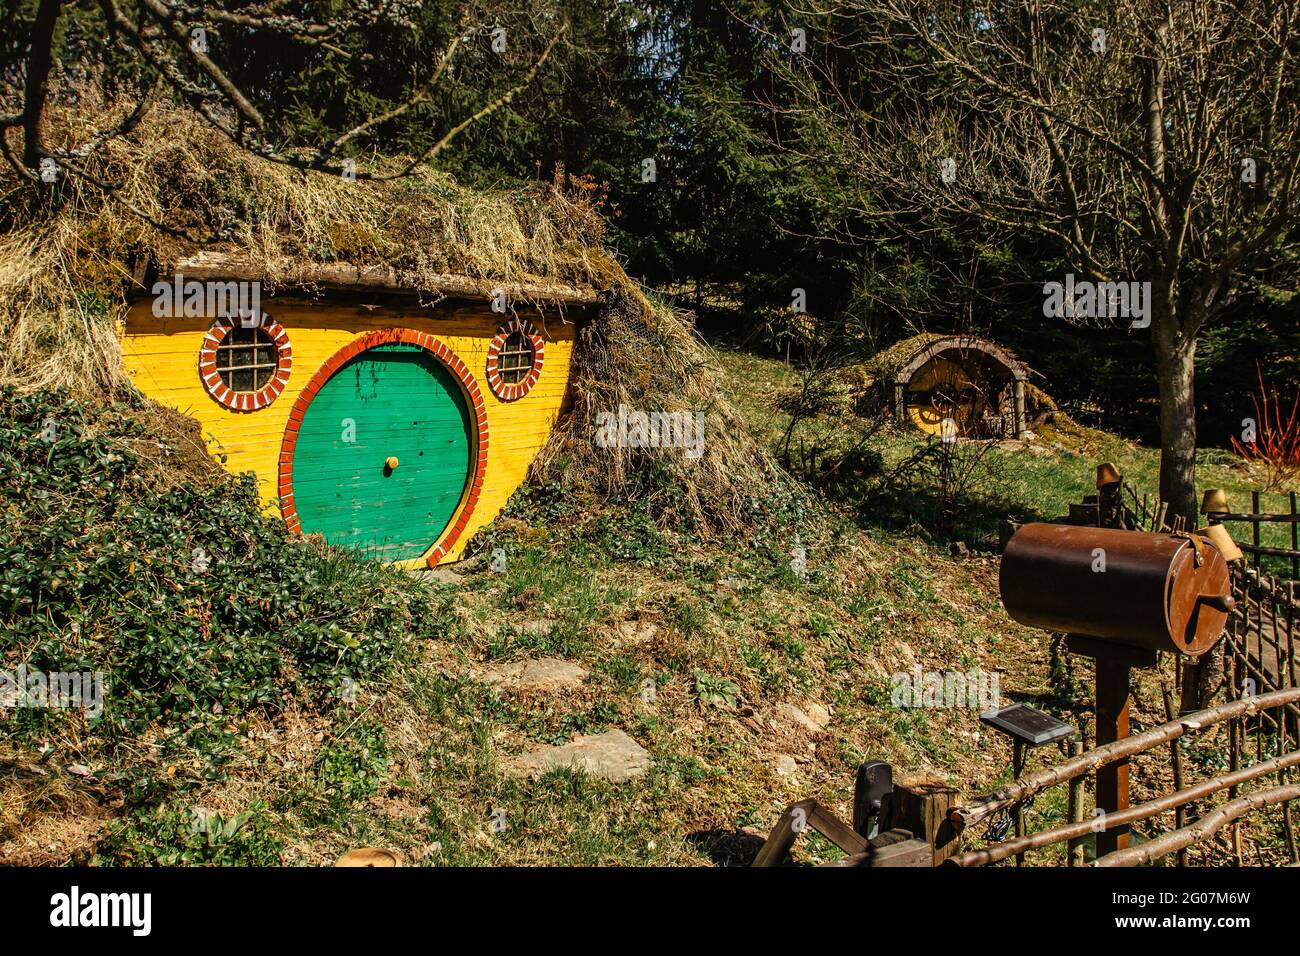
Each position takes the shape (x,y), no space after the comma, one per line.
(62,276)
(181,186)
(888,361)
(641,356)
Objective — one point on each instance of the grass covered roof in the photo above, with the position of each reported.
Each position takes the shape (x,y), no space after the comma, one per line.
(174,187)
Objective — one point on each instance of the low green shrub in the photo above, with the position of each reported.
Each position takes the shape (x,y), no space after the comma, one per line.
(171,836)
(195,606)
(352,765)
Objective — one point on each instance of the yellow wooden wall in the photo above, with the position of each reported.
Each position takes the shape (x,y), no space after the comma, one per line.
(162,357)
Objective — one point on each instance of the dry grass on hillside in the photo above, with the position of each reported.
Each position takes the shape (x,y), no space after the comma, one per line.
(643,357)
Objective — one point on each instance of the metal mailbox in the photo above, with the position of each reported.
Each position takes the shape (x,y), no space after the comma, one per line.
(1163,592)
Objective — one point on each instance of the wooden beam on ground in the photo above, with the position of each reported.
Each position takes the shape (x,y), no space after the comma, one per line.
(798,817)
(899,848)
(889,849)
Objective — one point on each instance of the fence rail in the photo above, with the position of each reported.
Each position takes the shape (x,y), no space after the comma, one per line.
(1256,519)
(1073,771)
(1259,665)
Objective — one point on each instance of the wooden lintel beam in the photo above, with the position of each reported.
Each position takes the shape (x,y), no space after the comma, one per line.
(221,266)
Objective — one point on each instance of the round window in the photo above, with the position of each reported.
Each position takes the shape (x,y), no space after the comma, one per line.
(514,360)
(244,365)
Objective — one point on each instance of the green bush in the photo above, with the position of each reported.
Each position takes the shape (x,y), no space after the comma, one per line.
(195,606)
(167,836)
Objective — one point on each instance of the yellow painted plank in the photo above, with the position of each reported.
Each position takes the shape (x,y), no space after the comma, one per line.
(161,355)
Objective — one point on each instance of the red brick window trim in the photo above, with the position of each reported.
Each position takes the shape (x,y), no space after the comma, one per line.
(503,374)
(210,368)
(474,397)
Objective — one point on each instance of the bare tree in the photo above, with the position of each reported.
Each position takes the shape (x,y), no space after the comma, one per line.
(1149,141)
(169,41)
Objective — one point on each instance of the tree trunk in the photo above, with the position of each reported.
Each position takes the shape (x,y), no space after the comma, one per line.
(37,84)
(1175,360)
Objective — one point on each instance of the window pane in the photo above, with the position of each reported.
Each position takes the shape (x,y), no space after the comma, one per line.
(515,360)
(240,353)
(241,380)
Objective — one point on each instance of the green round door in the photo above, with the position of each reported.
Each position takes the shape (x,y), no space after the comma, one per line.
(383,453)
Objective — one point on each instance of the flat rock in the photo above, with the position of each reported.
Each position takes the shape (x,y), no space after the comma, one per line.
(813,720)
(469,565)
(545,675)
(440,575)
(786,765)
(633,633)
(612,756)
(818,714)
(541,627)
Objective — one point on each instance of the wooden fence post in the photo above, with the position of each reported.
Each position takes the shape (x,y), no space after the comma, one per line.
(922,805)
(1074,852)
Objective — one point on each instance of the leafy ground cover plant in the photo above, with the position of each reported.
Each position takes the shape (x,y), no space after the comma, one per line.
(195,607)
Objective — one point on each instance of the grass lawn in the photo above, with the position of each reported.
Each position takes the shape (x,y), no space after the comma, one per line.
(750,681)
(1022,486)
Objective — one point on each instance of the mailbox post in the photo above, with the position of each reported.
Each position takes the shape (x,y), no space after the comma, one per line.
(1119,596)
(1115,665)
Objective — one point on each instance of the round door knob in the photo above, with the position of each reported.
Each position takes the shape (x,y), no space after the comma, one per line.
(391,461)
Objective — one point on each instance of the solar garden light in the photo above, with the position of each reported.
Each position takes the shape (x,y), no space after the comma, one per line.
(1028,727)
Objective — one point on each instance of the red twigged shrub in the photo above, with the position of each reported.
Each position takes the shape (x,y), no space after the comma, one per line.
(1276,446)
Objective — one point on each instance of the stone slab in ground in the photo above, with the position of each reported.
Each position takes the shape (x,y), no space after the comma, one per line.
(541,627)
(540,676)
(633,633)
(812,717)
(454,573)
(786,765)
(440,575)
(612,756)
